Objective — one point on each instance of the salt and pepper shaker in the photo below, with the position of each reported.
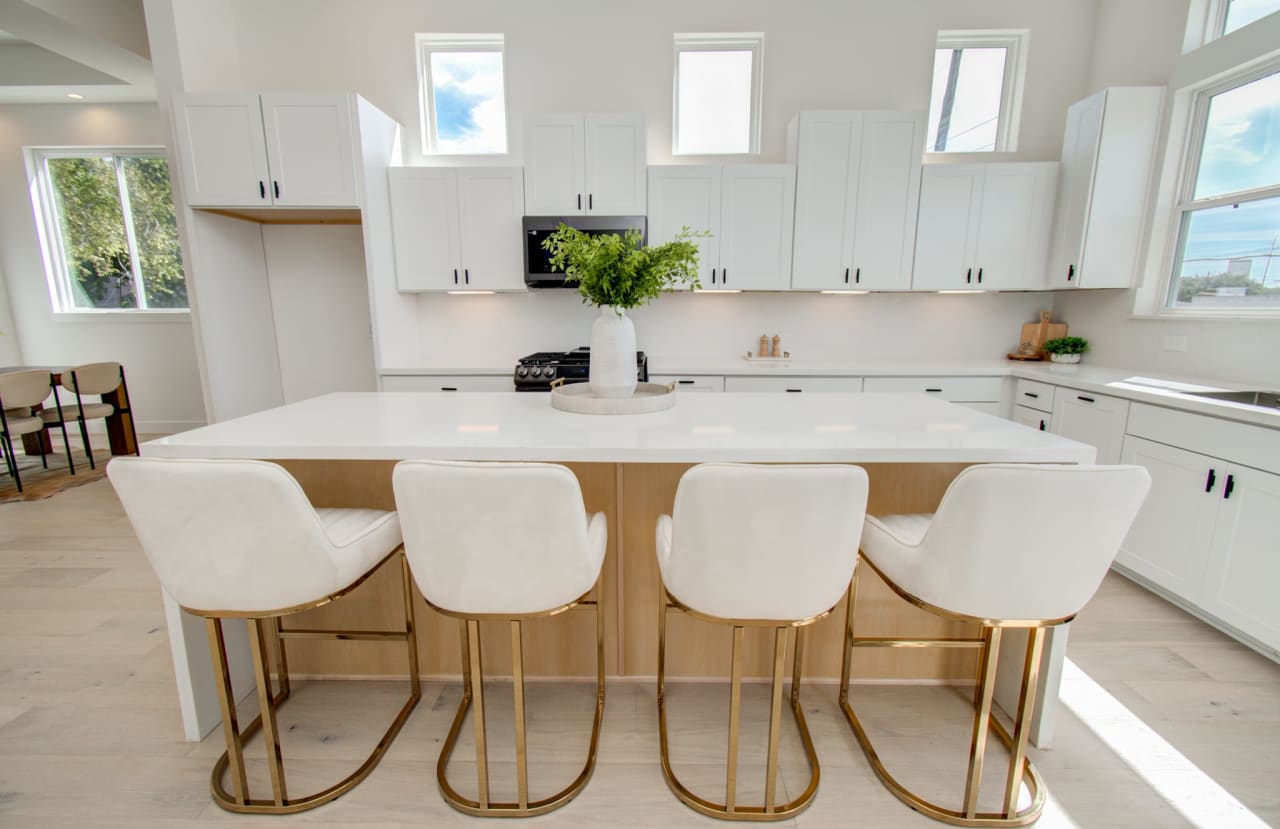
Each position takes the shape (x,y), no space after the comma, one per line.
(777,348)
(764,345)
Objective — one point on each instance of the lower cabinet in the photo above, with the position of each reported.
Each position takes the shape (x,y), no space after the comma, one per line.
(1091,418)
(1244,557)
(1034,418)
(447,382)
(794,384)
(690,382)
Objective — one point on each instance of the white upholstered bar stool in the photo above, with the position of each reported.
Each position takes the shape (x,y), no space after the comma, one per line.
(1010,546)
(239,539)
(502,542)
(757,546)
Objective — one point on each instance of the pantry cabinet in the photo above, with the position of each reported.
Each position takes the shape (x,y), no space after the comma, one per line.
(269,150)
(857,190)
(1108,150)
(457,228)
(748,210)
(582,164)
(984,226)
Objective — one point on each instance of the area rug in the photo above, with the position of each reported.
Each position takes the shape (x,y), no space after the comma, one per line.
(39,483)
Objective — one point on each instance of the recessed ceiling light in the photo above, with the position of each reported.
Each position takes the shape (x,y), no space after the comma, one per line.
(75,96)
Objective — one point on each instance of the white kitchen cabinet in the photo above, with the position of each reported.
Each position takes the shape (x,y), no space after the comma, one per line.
(457,228)
(592,163)
(748,210)
(1035,395)
(447,382)
(794,384)
(952,389)
(1091,418)
(984,226)
(1244,555)
(690,382)
(857,190)
(1034,418)
(250,150)
(1108,150)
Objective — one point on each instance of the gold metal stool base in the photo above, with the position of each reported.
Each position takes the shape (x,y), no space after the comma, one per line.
(238,800)
(1021,768)
(473,694)
(730,809)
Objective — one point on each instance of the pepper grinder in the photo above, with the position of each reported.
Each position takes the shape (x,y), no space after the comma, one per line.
(777,347)
(764,345)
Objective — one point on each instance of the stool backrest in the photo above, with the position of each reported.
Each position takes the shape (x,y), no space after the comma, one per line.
(24,389)
(228,535)
(1027,541)
(763,542)
(92,378)
(501,538)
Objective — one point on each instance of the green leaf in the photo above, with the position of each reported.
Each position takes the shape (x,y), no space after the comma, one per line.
(617,270)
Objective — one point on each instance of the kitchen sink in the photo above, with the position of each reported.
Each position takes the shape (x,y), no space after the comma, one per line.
(1265,399)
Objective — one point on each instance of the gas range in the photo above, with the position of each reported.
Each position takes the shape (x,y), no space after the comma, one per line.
(537,371)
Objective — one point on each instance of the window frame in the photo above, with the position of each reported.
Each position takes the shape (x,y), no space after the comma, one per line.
(49,229)
(1016,43)
(1195,125)
(752,42)
(426,43)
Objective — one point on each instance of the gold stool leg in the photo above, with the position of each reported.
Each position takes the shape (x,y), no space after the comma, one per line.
(981,719)
(735,708)
(775,715)
(1021,728)
(267,710)
(846,661)
(410,630)
(477,699)
(230,723)
(517,693)
(282,658)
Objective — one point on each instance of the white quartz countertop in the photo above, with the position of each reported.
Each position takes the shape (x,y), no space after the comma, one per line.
(870,428)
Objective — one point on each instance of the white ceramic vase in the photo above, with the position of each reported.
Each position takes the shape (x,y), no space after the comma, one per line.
(613,354)
(1065,358)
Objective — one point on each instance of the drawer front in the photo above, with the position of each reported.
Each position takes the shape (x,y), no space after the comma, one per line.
(793,384)
(1034,418)
(1034,395)
(690,382)
(1100,402)
(447,382)
(956,389)
(1243,443)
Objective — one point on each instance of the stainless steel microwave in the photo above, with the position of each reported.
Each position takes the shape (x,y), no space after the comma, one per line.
(538,272)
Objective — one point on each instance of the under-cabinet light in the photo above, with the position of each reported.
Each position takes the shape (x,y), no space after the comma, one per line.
(75,96)
(717,290)
(469,293)
(963,291)
(847,293)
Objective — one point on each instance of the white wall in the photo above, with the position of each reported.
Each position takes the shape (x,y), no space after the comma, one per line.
(158,353)
(1139,42)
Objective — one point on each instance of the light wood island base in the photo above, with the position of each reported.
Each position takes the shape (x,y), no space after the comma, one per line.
(632,495)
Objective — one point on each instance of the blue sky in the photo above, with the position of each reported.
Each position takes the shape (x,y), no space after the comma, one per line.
(470,111)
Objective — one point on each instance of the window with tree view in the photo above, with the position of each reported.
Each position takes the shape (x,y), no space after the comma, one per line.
(110,232)
(1228,255)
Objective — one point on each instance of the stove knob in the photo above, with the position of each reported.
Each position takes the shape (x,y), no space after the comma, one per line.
(549,371)
(522,372)
(537,371)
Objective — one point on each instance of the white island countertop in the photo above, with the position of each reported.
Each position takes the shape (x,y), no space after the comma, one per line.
(869,428)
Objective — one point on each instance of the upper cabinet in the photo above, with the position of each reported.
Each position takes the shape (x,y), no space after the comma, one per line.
(1107,154)
(457,228)
(857,189)
(984,226)
(747,208)
(250,150)
(593,163)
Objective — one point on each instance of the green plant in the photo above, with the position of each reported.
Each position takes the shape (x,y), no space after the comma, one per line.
(1066,345)
(619,271)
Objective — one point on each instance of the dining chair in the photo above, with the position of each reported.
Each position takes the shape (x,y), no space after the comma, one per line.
(20,393)
(92,379)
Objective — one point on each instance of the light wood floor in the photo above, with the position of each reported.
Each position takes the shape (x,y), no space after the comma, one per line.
(90,734)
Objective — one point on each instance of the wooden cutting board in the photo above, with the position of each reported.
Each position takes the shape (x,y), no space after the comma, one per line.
(1038,333)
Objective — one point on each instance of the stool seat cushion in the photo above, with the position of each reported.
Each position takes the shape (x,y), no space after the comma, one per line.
(360,537)
(92,411)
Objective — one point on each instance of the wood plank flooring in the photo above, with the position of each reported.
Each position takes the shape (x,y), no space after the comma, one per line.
(90,732)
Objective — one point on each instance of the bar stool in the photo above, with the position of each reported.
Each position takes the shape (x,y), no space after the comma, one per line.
(238,539)
(502,542)
(1012,546)
(757,546)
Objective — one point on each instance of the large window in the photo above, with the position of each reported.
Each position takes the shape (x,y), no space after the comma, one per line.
(463,94)
(1238,13)
(717,94)
(110,238)
(977,91)
(1228,254)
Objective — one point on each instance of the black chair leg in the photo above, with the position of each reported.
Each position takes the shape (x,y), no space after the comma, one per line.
(13,462)
(84,438)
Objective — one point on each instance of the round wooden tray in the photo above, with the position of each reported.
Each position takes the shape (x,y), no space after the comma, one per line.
(648,397)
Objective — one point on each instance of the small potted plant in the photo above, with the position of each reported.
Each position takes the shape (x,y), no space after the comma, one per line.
(618,273)
(1066,349)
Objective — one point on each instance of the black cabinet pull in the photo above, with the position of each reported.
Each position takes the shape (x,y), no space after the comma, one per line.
(713,276)
(724,276)
(455,276)
(466,276)
(1071,272)
(448,388)
(795,390)
(262,189)
(275,186)
(1042,424)
(979,276)
(846,276)
(1031,394)
(686,382)
(1085,399)
(1229,488)
(968,276)
(1210,481)
(934,390)
(579,201)
(590,199)
(857,275)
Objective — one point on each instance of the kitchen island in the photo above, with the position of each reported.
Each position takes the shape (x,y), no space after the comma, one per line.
(341,447)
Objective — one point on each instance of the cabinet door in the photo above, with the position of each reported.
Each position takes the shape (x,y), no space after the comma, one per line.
(884,210)
(950,198)
(687,196)
(311,150)
(1079,151)
(221,150)
(424,224)
(1169,540)
(757,206)
(490,207)
(827,153)
(1093,419)
(1244,559)
(1013,226)
(1028,416)
(553,165)
(615,164)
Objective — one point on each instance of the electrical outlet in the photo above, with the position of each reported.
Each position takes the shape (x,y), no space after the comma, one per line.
(1175,343)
